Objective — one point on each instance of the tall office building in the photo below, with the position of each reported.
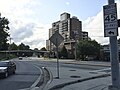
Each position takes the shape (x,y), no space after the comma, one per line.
(69,28)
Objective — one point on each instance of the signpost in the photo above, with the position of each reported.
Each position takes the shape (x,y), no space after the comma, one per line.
(118,22)
(110,20)
(111,31)
(56,39)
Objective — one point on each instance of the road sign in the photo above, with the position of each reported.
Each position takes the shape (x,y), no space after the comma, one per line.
(111,32)
(56,39)
(110,20)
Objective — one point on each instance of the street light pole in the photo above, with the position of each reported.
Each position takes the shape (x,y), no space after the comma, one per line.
(114,60)
(9,48)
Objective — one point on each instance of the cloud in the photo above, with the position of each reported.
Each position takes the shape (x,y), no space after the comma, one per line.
(14,7)
(22,10)
(24,27)
(20,30)
(32,34)
(95,26)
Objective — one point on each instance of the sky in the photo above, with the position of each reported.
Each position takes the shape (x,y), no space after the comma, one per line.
(30,20)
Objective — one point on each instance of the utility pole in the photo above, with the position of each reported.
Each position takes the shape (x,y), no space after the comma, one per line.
(114,58)
(10,43)
(9,48)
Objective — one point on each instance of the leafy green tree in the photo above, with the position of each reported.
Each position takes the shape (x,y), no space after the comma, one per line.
(23,47)
(36,49)
(43,49)
(64,53)
(3,33)
(87,48)
(27,47)
(13,46)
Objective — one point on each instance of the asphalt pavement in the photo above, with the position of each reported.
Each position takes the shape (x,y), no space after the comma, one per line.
(78,79)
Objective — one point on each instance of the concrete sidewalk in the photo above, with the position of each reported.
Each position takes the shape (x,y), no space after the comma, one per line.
(78,79)
(73,79)
(93,84)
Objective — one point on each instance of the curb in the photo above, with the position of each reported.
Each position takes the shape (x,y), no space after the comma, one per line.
(51,79)
(77,63)
(39,79)
(77,81)
(87,64)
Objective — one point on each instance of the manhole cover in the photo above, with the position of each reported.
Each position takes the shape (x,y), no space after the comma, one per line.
(75,76)
(72,70)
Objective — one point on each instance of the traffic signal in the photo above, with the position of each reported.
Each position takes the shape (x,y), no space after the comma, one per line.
(118,22)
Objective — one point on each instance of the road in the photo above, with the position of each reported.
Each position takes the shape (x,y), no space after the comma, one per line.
(71,71)
(27,72)
(25,76)
(63,63)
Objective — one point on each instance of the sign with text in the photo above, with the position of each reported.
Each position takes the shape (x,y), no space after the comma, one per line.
(110,20)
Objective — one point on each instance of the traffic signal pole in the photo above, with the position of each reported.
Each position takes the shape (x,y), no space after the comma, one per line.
(114,60)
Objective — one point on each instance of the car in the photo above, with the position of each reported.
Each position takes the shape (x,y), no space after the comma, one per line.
(20,58)
(7,68)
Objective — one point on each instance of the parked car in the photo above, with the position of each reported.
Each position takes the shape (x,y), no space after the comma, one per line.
(7,68)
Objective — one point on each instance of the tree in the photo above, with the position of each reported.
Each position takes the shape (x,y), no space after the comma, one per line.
(64,53)
(3,33)
(43,49)
(27,47)
(87,48)
(23,47)
(13,46)
(36,49)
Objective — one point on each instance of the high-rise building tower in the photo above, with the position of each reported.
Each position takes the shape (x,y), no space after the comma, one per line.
(69,28)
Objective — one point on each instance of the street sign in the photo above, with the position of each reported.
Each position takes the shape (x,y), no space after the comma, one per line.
(110,20)
(111,32)
(56,39)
